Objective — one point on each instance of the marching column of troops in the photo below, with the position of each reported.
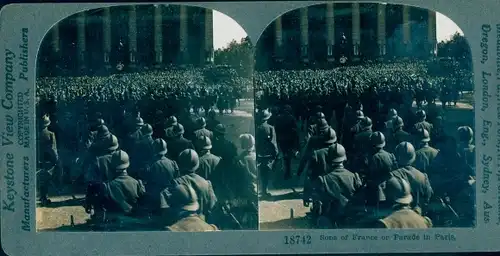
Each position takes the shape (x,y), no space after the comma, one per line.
(178,180)
(398,175)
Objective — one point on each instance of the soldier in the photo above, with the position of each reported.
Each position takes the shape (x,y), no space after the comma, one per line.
(318,122)
(101,138)
(212,121)
(335,188)
(390,116)
(160,173)
(422,123)
(287,138)
(466,149)
(134,136)
(247,163)
(419,183)
(425,154)
(49,158)
(208,161)
(189,163)
(267,149)
(142,152)
(223,147)
(92,132)
(101,169)
(169,126)
(178,143)
(202,131)
(362,137)
(398,134)
(397,192)
(181,210)
(438,136)
(321,130)
(318,161)
(123,194)
(356,128)
(380,162)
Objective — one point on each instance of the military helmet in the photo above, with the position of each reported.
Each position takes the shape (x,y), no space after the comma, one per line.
(112,143)
(421,114)
(397,190)
(377,139)
(330,136)
(160,146)
(171,120)
(319,116)
(359,114)
(98,122)
(138,121)
(147,129)
(337,153)
(103,132)
(247,141)
(423,135)
(397,122)
(465,134)
(405,153)
(204,142)
(188,161)
(366,122)
(220,129)
(392,113)
(201,122)
(183,197)
(322,125)
(45,120)
(120,160)
(177,129)
(264,115)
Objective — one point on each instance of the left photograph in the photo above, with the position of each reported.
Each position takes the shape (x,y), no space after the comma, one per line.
(145,122)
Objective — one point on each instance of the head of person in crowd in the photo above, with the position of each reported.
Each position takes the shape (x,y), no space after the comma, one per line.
(160,147)
(103,132)
(211,114)
(322,126)
(219,131)
(465,135)
(377,139)
(405,154)
(359,115)
(183,201)
(319,117)
(423,137)
(188,161)
(120,162)
(392,114)
(147,130)
(96,124)
(177,130)
(110,144)
(247,142)
(397,192)
(397,123)
(366,123)
(421,115)
(138,122)
(337,155)
(264,116)
(45,122)
(203,145)
(201,123)
(171,121)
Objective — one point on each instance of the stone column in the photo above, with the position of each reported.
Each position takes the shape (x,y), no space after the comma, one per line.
(278,44)
(106,36)
(80,40)
(56,47)
(431,36)
(381,33)
(406,29)
(209,36)
(356,34)
(330,31)
(183,34)
(304,34)
(132,35)
(158,37)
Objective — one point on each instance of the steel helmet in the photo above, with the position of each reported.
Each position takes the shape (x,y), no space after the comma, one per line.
(330,136)
(392,113)
(319,116)
(423,135)
(201,122)
(465,134)
(377,139)
(183,197)
(188,161)
(171,120)
(405,153)
(147,129)
(160,146)
(397,122)
(337,153)
(366,122)
(247,141)
(177,129)
(397,190)
(112,143)
(421,114)
(120,160)
(45,120)
(204,142)
(359,114)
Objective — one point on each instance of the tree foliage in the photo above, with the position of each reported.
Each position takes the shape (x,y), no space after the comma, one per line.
(238,55)
(458,49)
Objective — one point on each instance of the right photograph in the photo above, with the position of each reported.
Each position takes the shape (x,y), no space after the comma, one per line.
(364,118)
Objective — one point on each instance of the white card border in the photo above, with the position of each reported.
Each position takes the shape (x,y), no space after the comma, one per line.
(253,17)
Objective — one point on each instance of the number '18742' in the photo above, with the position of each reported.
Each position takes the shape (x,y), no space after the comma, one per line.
(298,239)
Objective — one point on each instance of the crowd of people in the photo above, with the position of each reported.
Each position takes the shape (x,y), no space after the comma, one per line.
(372,158)
(144,152)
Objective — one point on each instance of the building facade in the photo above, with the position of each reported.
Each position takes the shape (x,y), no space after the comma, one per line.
(137,36)
(333,33)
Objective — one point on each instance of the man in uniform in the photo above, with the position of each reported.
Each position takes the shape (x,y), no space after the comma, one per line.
(49,158)
(160,173)
(92,132)
(466,149)
(267,149)
(287,138)
(425,154)
(141,153)
(419,183)
(247,163)
(202,131)
(101,169)
(134,136)
(212,122)
(189,163)
(422,123)
(398,134)
(178,143)
(390,116)
(208,161)
(335,188)
(398,198)
(380,162)
(223,147)
(169,126)
(181,211)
